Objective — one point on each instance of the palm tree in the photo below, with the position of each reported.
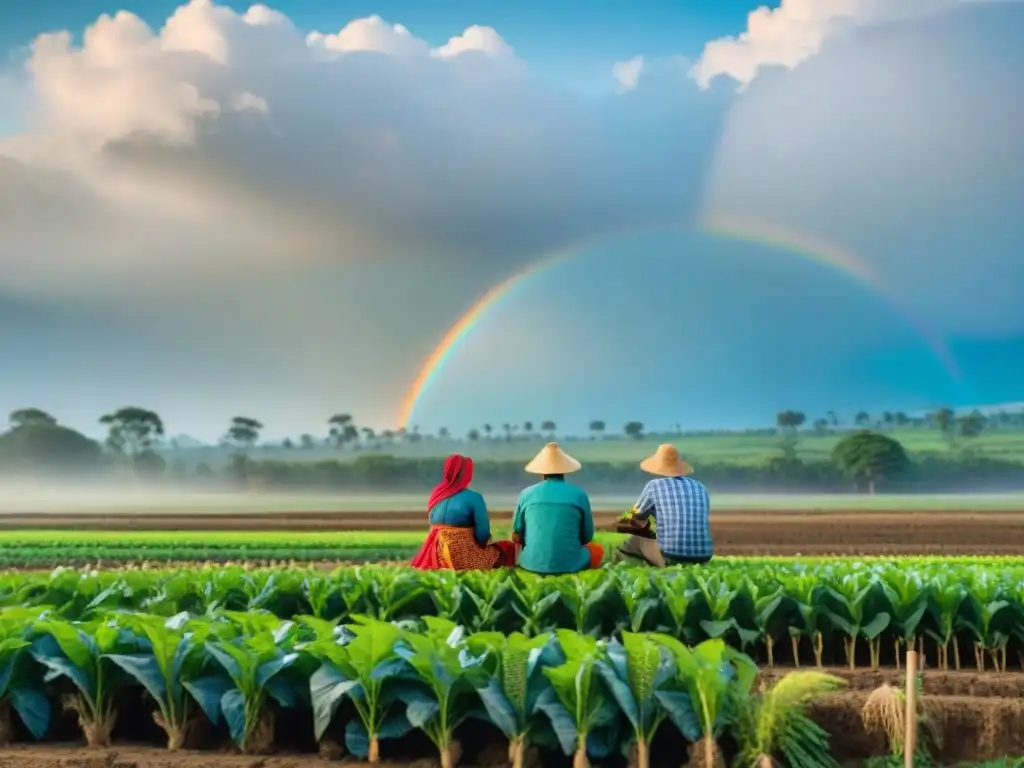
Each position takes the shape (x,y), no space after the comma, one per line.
(528,428)
(487,430)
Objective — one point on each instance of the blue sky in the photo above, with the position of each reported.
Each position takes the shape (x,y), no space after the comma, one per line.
(230,219)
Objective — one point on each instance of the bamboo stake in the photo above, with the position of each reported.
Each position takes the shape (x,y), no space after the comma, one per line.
(910,719)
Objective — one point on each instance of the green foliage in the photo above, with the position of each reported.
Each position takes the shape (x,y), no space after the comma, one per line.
(240,668)
(870,457)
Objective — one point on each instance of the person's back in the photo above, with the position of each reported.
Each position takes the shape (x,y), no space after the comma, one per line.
(681,506)
(554,522)
(465,509)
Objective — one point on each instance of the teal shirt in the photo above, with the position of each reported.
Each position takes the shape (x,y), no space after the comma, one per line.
(554,520)
(466,509)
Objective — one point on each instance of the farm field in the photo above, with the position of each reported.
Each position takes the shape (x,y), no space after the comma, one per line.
(850,619)
(329,539)
(148,502)
(732,448)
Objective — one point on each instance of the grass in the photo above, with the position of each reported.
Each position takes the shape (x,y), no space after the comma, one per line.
(730,448)
(150,502)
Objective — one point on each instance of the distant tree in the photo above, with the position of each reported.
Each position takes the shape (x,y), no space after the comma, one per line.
(888,419)
(30,417)
(597,427)
(343,430)
(633,429)
(307,442)
(862,419)
(821,426)
(369,435)
(243,434)
(287,444)
(528,428)
(443,433)
(548,427)
(414,436)
(43,447)
(508,432)
(901,419)
(870,457)
(833,419)
(473,435)
(789,421)
(945,420)
(487,430)
(132,430)
(972,425)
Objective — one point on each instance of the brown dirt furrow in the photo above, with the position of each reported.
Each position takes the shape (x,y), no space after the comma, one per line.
(735,533)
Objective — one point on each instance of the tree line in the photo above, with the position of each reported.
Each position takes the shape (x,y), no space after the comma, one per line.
(863,459)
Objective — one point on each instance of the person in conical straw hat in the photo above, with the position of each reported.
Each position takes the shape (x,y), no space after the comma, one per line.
(679,505)
(553,522)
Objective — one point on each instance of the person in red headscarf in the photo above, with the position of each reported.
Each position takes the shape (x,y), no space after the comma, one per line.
(460,530)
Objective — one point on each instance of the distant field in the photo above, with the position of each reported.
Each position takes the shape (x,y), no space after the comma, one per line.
(150,502)
(730,448)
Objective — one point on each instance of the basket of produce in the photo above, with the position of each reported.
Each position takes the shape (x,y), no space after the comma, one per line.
(630,524)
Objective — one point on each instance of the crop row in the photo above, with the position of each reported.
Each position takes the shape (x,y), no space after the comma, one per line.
(46,549)
(371,682)
(861,613)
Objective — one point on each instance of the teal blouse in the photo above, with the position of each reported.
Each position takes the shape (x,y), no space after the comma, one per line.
(554,520)
(466,509)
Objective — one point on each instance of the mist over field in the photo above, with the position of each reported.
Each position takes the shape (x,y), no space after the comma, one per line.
(46,497)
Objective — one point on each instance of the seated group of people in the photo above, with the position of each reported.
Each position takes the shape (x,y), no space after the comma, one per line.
(553,526)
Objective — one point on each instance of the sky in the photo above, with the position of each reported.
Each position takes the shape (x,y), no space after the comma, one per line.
(215,210)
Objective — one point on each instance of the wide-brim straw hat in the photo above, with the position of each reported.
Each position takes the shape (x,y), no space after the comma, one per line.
(552,460)
(666,462)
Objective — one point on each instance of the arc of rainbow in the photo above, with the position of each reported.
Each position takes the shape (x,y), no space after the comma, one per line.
(727,227)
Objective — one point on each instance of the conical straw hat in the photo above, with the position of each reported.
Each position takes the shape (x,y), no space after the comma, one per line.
(666,461)
(552,460)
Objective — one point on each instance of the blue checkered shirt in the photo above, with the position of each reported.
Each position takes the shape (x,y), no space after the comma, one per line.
(680,505)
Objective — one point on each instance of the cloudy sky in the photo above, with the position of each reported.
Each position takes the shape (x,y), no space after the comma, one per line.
(212,210)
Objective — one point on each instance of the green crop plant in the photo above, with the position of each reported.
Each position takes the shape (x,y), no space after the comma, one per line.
(707,677)
(440,662)
(21,689)
(364,669)
(81,653)
(171,660)
(848,610)
(576,703)
(634,671)
(254,662)
(773,721)
(514,681)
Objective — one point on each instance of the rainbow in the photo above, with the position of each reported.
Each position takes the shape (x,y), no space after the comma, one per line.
(727,227)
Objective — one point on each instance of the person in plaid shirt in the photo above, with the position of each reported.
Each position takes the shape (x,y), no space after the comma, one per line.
(680,506)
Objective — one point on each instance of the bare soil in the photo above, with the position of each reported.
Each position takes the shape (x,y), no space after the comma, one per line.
(868,532)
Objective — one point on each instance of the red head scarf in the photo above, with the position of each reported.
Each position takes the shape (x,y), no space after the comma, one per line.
(458,474)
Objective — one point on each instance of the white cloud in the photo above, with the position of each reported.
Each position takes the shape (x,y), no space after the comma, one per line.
(226,139)
(371,34)
(628,72)
(796,30)
(476,39)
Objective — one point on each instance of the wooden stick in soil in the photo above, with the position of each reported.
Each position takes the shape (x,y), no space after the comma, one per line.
(910,719)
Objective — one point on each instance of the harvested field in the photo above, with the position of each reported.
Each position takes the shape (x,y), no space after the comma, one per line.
(784,533)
